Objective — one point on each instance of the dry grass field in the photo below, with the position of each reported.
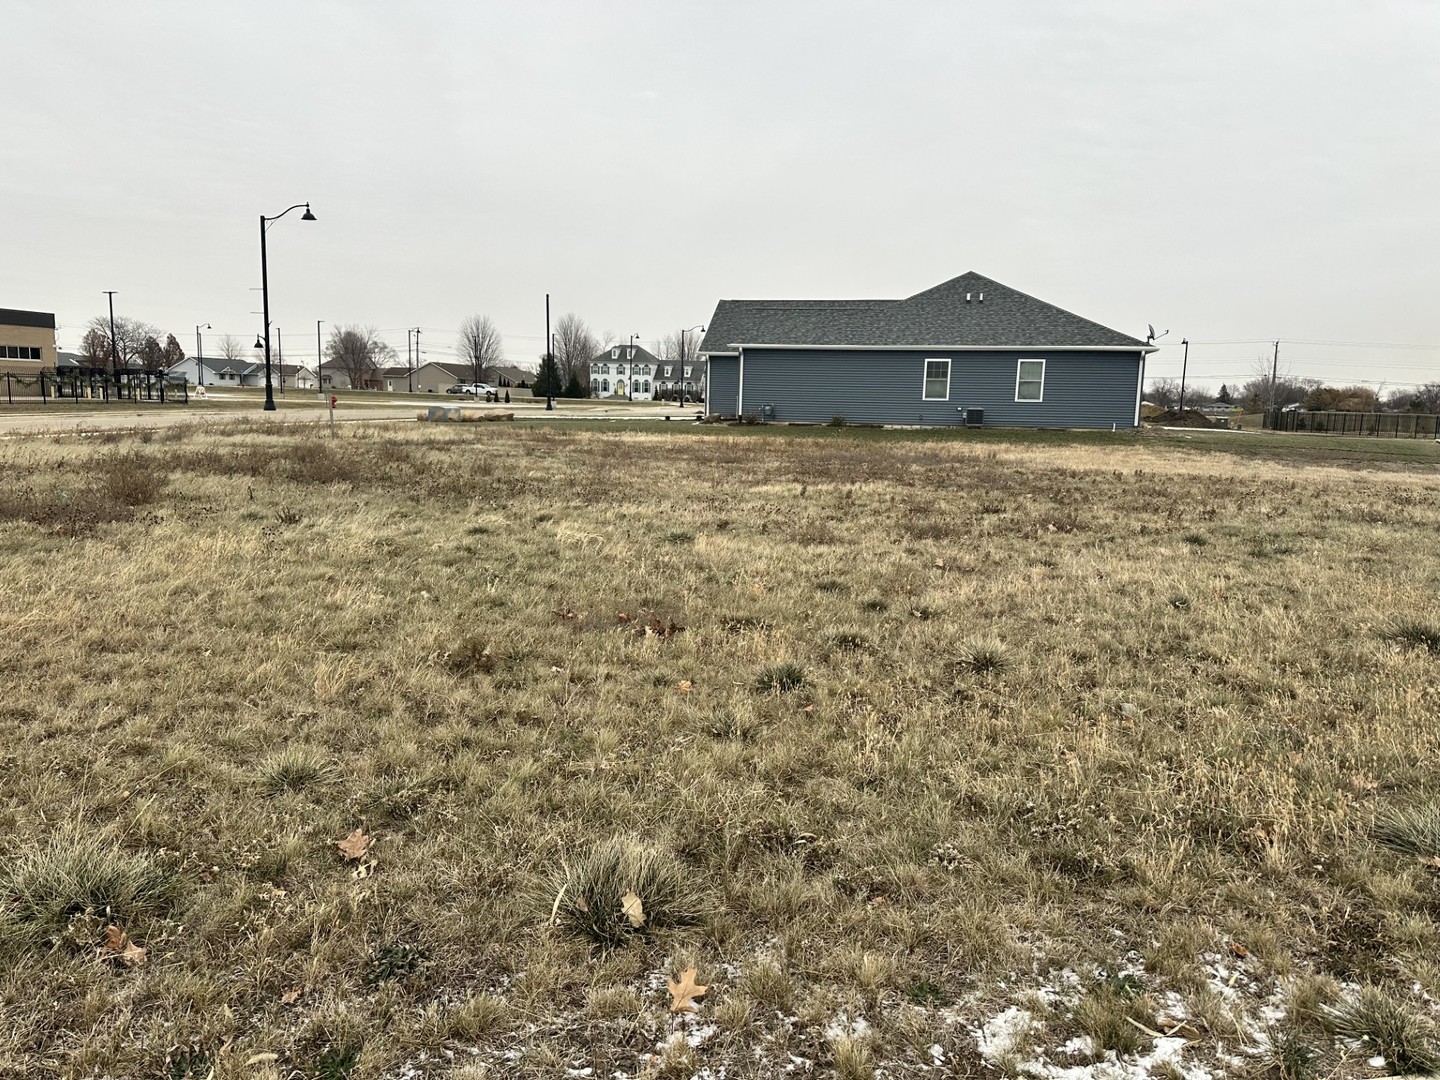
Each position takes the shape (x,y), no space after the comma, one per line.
(934,756)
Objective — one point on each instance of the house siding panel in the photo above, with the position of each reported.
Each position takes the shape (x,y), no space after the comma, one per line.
(1082,389)
(723,386)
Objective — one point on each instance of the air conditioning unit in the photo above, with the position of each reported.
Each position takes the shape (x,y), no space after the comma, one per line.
(974,417)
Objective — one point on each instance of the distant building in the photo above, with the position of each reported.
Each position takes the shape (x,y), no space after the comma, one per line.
(27,341)
(969,351)
(625,371)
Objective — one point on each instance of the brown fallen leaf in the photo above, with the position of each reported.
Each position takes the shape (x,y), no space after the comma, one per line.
(684,993)
(289,997)
(582,905)
(1239,950)
(684,686)
(355,845)
(622,617)
(364,870)
(119,945)
(633,909)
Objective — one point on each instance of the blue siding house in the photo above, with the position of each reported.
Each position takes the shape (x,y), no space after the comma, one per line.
(969,351)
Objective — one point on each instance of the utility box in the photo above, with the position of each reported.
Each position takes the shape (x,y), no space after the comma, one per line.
(974,417)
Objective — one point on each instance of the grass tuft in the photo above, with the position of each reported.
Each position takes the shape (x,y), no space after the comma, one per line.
(81,874)
(291,769)
(1392,1028)
(1412,830)
(1412,634)
(780,679)
(983,656)
(1109,1013)
(589,892)
(1290,1057)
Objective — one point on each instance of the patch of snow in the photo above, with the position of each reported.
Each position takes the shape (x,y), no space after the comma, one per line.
(1001,1035)
(843,1027)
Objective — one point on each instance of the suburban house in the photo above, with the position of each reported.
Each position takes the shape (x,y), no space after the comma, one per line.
(689,376)
(968,351)
(214,371)
(27,341)
(627,371)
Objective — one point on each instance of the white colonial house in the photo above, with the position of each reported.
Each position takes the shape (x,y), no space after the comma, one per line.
(625,371)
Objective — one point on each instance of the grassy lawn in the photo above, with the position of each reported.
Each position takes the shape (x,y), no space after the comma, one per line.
(997,754)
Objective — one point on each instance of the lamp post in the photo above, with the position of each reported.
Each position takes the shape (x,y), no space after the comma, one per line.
(114,345)
(200,355)
(630,359)
(265,293)
(680,379)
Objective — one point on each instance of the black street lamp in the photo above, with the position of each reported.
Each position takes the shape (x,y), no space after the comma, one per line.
(265,293)
(680,372)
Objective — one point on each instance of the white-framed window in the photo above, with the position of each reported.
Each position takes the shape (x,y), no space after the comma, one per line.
(594,369)
(647,386)
(614,354)
(667,371)
(604,369)
(1030,380)
(687,371)
(605,385)
(619,369)
(937,381)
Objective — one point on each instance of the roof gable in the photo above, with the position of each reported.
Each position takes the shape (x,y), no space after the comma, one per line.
(969,311)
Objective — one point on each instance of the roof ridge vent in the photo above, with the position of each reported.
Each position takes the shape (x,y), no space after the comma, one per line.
(982,298)
(967,298)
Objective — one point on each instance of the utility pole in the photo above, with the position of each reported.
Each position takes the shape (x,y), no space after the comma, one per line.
(549,361)
(417,360)
(319,360)
(200,355)
(114,346)
(408,363)
(1184,365)
(1274,377)
(280,360)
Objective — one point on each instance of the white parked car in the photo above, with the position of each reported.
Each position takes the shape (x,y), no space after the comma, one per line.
(474,389)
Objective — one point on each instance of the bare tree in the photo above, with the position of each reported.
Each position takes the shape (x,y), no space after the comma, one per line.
(151,354)
(575,347)
(481,346)
(679,349)
(230,347)
(130,336)
(1422,399)
(1163,392)
(356,352)
(96,349)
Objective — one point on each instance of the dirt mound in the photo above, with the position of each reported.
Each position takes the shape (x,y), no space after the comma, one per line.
(1188,418)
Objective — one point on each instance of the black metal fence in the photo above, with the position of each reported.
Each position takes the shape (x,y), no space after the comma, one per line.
(1331,422)
(50,386)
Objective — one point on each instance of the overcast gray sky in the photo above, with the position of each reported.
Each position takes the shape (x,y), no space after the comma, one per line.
(1230,171)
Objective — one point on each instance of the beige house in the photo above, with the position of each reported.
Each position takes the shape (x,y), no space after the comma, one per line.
(27,342)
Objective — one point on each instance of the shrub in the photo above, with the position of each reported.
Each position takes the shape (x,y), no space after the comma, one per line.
(780,679)
(587,893)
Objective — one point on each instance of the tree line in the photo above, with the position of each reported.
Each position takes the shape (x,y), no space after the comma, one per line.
(1261,392)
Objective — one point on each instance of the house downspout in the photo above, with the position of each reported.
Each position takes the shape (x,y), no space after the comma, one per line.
(740,390)
(1139,390)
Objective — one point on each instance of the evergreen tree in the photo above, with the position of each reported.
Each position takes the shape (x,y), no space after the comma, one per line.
(1224,396)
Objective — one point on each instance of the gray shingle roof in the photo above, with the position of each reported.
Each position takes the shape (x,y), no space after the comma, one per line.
(940,317)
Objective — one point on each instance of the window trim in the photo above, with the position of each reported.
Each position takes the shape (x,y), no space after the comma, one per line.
(925,377)
(1030,360)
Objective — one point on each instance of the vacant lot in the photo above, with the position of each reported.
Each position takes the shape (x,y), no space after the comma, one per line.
(933,756)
